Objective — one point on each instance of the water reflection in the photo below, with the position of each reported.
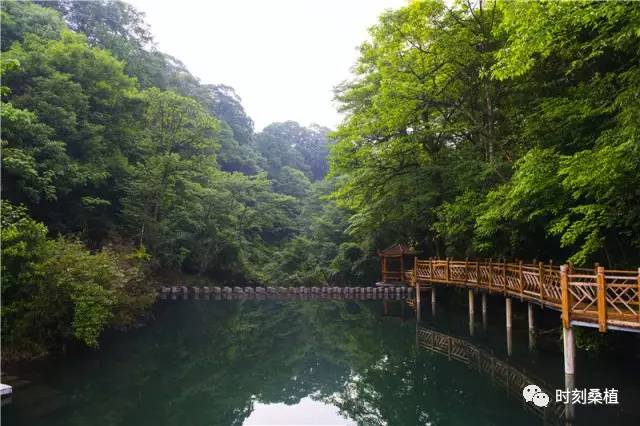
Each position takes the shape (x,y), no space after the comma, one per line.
(307,412)
(505,376)
(238,362)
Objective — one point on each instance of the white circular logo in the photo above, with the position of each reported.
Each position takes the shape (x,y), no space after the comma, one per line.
(541,399)
(533,393)
(529,391)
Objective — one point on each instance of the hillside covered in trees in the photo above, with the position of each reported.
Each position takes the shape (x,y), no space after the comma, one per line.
(121,171)
(471,129)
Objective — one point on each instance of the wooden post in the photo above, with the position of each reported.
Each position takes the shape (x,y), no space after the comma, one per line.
(550,268)
(384,269)
(433,300)
(484,303)
(521,279)
(471,312)
(602,300)
(431,268)
(541,281)
(564,295)
(504,276)
(484,311)
(490,273)
(569,408)
(477,273)
(569,350)
(530,316)
(507,302)
(401,265)
(447,271)
(466,270)
(509,341)
(418,311)
(415,270)
(532,340)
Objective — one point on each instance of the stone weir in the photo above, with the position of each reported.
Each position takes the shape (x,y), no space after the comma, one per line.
(218,293)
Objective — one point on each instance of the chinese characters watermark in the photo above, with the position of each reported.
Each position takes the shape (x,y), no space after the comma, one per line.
(593,396)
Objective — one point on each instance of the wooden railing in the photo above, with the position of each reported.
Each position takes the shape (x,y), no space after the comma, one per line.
(501,374)
(597,297)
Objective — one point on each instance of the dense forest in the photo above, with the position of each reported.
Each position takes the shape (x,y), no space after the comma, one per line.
(471,129)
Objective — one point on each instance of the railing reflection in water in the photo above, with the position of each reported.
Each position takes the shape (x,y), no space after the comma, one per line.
(503,375)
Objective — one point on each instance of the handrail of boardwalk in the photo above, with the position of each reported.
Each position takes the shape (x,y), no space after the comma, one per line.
(589,297)
(501,373)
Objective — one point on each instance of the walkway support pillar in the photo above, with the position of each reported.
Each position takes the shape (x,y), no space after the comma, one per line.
(564,297)
(433,300)
(532,332)
(418,300)
(507,302)
(484,311)
(569,368)
(471,312)
(569,350)
(569,408)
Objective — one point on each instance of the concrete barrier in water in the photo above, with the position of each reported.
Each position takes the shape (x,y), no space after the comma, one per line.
(325,292)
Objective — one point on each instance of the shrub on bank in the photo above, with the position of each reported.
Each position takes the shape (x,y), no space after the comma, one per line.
(55,290)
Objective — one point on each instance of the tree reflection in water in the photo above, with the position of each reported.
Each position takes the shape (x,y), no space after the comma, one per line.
(211,362)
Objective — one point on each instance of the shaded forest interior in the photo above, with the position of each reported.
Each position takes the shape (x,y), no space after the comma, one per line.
(468,131)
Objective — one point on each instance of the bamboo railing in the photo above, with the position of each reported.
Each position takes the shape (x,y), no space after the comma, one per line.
(593,297)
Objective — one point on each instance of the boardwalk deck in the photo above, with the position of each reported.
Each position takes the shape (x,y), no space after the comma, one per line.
(606,299)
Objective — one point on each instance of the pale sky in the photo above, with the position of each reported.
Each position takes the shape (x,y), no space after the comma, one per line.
(283,57)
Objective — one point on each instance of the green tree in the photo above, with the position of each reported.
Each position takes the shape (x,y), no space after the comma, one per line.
(82,101)
(177,159)
(495,129)
(21,17)
(54,290)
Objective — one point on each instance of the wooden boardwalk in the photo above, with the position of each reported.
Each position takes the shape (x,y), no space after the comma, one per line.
(606,299)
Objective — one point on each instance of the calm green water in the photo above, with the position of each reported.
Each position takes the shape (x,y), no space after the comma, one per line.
(322,362)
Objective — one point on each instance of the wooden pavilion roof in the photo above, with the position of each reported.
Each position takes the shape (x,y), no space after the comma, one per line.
(395,250)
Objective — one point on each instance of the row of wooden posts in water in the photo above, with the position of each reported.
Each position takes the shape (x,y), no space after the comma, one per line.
(237,292)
